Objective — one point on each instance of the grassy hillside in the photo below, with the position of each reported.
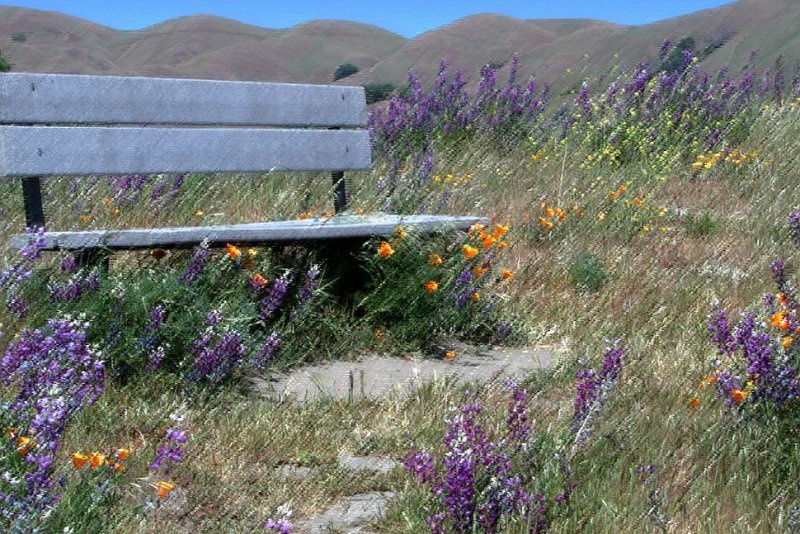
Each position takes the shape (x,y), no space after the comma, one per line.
(562,52)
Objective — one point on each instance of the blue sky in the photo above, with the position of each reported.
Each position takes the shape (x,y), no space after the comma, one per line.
(406,17)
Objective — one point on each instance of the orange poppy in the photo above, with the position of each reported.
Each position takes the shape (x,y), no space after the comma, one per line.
(779,320)
(499,231)
(449,355)
(385,249)
(95,459)
(78,459)
(738,395)
(477,272)
(431,286)
(400,232)
(121,454)
(25,444)
(259,281)
(694,402)
(163,488)
(474,296)
(469,252)
(505,274)
(232,251)
(434,259)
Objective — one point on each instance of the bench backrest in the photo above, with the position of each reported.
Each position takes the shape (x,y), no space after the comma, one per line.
(133,125)
(122,125)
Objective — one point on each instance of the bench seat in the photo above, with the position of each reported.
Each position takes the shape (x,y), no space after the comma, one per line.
(339,227)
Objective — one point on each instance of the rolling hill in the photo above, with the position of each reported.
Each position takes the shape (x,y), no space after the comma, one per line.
(563,52)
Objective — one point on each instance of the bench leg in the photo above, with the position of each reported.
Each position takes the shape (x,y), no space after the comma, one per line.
(92,257)
(341,264)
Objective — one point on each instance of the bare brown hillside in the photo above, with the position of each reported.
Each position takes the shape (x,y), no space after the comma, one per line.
(563,52)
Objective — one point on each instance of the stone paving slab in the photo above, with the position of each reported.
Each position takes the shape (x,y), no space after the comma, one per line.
(379,377)
(349,514)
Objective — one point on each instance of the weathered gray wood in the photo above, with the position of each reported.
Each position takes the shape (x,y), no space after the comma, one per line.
(64,151)
(67,98)
(309,230)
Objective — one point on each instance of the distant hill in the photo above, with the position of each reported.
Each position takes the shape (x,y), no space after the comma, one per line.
(563,52)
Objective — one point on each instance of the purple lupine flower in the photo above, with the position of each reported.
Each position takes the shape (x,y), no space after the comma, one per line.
(68,264)
(17,306)
(281,525)
(170,451)
(274,299)
(421,465)
(794,227)
(196,265)
(308,289)
(155,317)
(55,374)
(215,360)
(266,352)
(665,45)
(518,421)
(75,287)
(592,390)
(720,331)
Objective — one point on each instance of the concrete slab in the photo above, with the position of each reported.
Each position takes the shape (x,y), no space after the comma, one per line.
(379,377)
(349,514)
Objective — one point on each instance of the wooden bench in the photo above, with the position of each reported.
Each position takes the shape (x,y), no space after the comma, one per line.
(132,125)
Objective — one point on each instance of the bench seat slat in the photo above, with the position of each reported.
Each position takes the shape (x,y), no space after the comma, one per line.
(309,230)
(69,98)
(65,151)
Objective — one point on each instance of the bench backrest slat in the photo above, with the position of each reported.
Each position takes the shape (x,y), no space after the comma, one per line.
(29,98)
(64,151)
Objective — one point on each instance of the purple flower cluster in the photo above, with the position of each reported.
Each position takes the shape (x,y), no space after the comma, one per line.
(282,525)
(274,299)
(196,265)
(216,353)
(308,289)
(410,120)
(170,451)
(794,227)
(769,367)
(149,342)
(12,278)
(75,287)
(55,374)
(264,355)
(592,390)
(475,485)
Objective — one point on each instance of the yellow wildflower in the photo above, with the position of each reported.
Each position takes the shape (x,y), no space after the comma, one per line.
(401,233)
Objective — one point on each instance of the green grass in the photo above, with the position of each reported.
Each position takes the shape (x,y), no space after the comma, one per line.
(652,281)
